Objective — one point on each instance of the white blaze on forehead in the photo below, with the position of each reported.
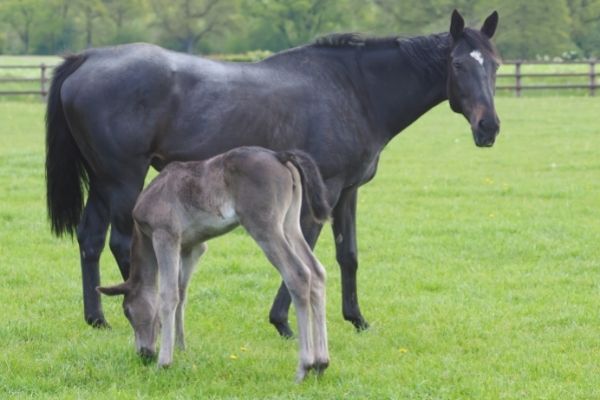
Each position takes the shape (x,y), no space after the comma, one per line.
(476,54)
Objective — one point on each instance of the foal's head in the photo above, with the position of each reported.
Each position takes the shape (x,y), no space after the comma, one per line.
(141,309)
(471,83)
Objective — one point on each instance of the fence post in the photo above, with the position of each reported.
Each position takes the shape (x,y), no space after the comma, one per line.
(592,77)
(43,80)
(518,77)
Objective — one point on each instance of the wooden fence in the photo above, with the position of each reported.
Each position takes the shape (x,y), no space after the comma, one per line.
(43,80)
(516,76)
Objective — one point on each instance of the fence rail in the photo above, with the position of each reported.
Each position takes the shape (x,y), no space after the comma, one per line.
(516,76)
(42,79)
(518,87)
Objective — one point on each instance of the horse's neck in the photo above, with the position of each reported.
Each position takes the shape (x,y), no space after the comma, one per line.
(407,81)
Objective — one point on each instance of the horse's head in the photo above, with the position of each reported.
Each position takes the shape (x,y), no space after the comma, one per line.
(471,83)
(141,309)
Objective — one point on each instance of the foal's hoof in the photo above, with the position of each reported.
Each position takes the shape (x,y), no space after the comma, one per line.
(97,322)
(320,366)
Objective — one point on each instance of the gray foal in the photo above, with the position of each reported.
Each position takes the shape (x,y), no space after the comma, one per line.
(192,202)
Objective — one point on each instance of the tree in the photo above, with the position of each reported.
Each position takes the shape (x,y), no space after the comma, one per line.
(20,15)
(586,26)
(404,18)
(297,21)
(186,22)
(533,28)
(90,10)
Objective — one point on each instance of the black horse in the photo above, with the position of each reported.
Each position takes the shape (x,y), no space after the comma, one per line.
(114,112)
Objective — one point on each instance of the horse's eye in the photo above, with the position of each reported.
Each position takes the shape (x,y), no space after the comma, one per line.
(457,66)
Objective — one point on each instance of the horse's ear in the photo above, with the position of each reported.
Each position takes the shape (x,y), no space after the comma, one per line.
(120,289)
(457,25)
(489,25)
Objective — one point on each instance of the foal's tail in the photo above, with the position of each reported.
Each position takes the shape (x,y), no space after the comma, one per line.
(313,188)
(66,176)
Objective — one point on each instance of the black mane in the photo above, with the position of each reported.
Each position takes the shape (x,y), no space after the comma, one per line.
(428,53)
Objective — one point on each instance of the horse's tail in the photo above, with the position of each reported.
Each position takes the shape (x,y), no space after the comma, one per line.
(313,188)
(66,176)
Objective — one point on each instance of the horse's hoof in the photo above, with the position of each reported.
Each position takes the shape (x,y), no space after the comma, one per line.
(97,322)
(360,324)
(284,329)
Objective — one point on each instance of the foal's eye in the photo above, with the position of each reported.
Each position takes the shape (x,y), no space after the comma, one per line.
(457,66)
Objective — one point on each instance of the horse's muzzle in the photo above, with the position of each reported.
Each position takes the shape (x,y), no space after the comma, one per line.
(485,132)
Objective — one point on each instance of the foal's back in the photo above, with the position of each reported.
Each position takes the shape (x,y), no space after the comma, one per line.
(199,200)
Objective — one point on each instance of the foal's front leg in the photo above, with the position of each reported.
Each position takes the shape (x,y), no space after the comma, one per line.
(166,248)
(189,259)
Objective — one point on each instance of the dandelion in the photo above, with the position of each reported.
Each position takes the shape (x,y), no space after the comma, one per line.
(488,181)
(402,350)
(233,357)
(243,348)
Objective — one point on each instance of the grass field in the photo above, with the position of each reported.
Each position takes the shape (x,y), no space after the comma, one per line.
(479,273)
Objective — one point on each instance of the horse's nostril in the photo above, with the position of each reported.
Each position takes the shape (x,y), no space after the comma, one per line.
(488,125)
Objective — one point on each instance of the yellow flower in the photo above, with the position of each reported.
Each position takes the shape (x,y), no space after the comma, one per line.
(243,348)
(233,357)
(403,350)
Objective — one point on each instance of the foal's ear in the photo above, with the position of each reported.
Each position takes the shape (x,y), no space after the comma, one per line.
(120,289)
(489,25)
(457,25)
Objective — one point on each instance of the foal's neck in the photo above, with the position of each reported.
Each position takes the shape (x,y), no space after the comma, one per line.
(143,269)
(407,80)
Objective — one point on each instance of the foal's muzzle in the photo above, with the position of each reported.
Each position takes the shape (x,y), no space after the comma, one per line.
(147,355)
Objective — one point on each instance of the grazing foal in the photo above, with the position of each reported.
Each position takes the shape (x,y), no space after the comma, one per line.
(190,203)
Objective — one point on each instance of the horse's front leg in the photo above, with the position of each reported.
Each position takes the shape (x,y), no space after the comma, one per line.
(344,232)
(278,316)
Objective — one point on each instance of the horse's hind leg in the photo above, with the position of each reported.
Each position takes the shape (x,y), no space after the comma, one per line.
(122,200)
(91,234)
(189,259)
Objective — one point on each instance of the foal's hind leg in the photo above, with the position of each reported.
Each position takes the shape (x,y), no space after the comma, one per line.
(297,277)
(317,283)
(278,316)
(189,259)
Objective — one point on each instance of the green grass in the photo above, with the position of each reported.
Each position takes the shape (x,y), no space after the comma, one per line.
(479,273)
